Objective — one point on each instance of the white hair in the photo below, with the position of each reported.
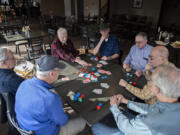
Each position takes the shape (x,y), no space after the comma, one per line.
(61,30)
(42,73)
(3,55)
(167,79)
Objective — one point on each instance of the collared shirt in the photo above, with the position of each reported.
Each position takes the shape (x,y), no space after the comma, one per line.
(9,81)
(64,52)
(110,47)
(138,58)
(38,109)
(146,93)
(147,114)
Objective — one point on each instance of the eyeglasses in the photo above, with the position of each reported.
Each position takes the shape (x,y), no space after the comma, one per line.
(139,42)
(153,57)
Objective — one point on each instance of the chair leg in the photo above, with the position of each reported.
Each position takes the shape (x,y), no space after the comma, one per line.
(12,130)
(18,50)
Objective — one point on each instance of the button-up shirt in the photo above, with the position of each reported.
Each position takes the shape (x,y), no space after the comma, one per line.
(110,46)
(9,81)
(64,52)
(145,123)
(138,58)
(38,109)
(127,126)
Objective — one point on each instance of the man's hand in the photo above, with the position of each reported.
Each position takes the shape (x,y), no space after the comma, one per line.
(148,67)
(117,99)
(127,67)
(114,100)
(122,99)
(96,49)
(138,73)
(81,62)
(122,82)
(102,38)
(106,58)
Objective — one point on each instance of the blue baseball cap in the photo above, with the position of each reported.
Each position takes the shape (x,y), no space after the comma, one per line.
(48,62)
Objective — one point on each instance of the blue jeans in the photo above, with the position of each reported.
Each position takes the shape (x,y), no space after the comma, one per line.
(108,125)
(102,129)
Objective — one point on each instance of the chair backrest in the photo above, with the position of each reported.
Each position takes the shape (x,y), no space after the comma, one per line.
(10,100)
(92,34)
(3,117)
(35,49)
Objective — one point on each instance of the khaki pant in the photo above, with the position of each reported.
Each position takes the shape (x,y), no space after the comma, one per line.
(73,127)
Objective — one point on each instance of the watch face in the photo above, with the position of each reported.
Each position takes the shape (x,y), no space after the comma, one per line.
(106,39)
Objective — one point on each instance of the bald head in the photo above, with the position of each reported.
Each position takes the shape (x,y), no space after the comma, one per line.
(161,51)
(159,55)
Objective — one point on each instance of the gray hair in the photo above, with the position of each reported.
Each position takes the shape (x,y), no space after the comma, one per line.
(143,35)
(167,79)
(44,73)
(60,30)
(3,55)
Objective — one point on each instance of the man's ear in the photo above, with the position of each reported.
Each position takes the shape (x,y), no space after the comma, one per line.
(51,73)
(157,90)
(163,58)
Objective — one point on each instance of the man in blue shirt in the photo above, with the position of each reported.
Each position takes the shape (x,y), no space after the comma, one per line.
(161,118)
(39,108)
(9,81)
(108,45)
(138,55)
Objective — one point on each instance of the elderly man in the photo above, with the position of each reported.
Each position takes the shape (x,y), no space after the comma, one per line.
(63,48)
(161,118)
(39,108)
(138,55)
(108,45)
(158,56)
(9,81)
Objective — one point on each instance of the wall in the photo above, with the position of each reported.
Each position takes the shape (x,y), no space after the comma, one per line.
(67,7)
(54,7)
(3,1)
(170,13)
(150,8)
(91,7)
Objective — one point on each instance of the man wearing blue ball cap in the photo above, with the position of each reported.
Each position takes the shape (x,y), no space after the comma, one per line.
(39,108)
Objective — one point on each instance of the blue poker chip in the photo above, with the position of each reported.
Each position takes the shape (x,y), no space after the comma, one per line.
(100,104)
(77,94)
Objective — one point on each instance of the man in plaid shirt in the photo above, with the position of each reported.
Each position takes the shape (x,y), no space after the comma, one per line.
(63,48)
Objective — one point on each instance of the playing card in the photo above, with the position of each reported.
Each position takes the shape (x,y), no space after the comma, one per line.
(70,93)
(108,73)
(101,71)
(104,85)
(97,91)
(86,81)
(99,65)
(81,74)
(103,62)
(97,74)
